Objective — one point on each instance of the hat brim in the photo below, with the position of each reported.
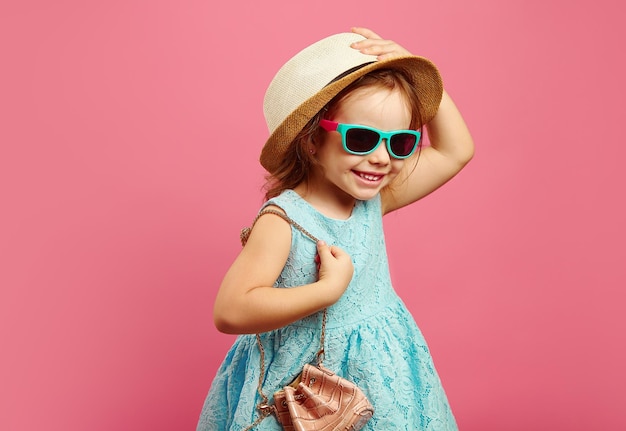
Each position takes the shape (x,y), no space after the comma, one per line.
(424,77)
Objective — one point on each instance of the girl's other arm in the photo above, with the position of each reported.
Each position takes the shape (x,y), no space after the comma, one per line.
(247,302)
(451,148)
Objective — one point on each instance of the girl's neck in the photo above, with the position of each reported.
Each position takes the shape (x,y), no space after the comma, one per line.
(331,203)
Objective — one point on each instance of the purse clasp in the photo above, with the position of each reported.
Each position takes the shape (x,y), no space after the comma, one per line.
(265,409)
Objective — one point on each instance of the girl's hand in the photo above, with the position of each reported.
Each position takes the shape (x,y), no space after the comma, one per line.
(335,269)
(376,45)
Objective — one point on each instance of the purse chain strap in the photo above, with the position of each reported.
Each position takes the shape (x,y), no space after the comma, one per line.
(265,408)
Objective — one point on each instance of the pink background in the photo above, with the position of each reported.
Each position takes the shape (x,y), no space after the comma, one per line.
(130,132)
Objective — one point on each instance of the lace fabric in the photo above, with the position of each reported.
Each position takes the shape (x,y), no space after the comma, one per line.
(371,338)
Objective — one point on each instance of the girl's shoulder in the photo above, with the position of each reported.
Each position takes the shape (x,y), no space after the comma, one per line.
(285,197)
(291,202)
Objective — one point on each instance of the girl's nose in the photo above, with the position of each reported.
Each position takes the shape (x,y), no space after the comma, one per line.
(380,156)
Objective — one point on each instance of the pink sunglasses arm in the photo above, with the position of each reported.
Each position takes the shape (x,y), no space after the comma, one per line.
(328,125)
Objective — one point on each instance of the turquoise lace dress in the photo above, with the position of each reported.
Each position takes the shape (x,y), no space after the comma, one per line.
(371,338)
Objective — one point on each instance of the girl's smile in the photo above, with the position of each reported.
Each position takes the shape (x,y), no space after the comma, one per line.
(373,178)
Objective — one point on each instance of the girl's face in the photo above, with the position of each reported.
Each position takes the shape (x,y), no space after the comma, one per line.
(348,176)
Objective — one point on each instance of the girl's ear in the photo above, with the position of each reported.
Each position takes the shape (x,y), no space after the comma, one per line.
(312,149)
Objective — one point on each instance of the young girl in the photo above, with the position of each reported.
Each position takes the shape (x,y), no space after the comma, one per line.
(345,116)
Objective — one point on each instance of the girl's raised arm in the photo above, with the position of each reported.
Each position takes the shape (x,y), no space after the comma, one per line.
(451,148)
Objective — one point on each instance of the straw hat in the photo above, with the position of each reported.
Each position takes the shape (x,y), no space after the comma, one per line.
(304,85)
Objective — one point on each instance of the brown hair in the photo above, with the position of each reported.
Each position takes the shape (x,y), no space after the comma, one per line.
(298,162)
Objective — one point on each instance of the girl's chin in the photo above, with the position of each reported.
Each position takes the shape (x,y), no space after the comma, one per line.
(365,195)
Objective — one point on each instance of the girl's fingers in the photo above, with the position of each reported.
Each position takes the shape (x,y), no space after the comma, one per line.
(365,32)
(324,251)
(374,45)
(381,50)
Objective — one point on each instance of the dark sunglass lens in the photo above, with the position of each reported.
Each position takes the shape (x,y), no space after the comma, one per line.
(403,143)
(361,140)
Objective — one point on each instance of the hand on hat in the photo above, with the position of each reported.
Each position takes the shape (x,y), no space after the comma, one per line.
(376,45)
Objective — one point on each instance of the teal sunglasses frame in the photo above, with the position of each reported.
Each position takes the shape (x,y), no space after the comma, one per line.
(333,126)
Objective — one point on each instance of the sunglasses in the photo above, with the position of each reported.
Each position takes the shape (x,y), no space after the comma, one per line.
(362,140)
